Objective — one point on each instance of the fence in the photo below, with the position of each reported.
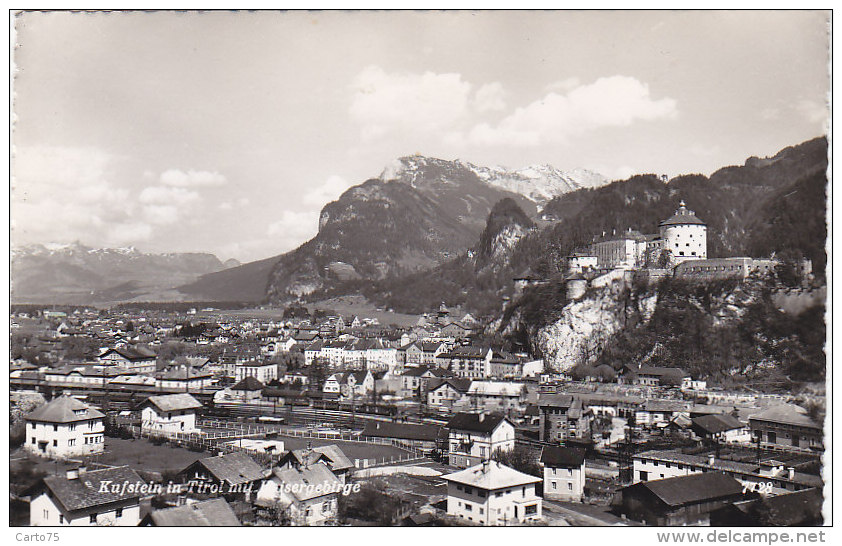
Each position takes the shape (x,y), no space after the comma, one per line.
(298,433)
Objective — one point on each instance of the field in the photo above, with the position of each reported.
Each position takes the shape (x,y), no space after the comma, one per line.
(139,454)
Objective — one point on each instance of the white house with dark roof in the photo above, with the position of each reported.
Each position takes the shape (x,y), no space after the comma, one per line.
(491,493)
(170,413)
(475,437)
(89,498)
(65,427)
(135,359)
(564,473)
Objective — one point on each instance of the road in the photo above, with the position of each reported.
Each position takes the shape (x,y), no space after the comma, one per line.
(582,515)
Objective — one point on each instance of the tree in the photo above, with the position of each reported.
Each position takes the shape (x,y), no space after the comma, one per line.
(521,458)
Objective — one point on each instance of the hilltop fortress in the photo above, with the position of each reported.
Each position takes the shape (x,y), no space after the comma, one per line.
(679,248)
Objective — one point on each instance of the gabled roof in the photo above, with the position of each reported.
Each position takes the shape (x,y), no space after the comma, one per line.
(304,482)
(716,423)
(92,489)
(183,373)
(173,402)
(490,476)
(788,414)
(496,388)
(338,460)
(131,353)
(458,384)
(214,512)
(693,488)
(64,409)
(250,383)
(563,456)
(234,468)
(476,422)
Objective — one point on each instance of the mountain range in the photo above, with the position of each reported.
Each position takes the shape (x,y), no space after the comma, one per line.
(74,273)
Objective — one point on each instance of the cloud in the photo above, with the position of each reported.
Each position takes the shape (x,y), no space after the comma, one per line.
(128,233)
(614,101)
(191,178)
(168,195)
(564,85)
(293,227)
(161,214)
(490,98)
(327,191)
(383,103)
(813,111)
(65,193)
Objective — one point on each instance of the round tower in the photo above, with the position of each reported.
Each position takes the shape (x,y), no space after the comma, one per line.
(684,236)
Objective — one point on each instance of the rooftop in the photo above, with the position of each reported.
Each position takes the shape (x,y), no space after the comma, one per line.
(64,409)
(491,475)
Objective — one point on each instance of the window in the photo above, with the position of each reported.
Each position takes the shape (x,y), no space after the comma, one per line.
(498,494)
(553,471)
(469,490)
(530,510)
(55,428)
(46,514)
(61,518)
(468,508)
(458,487)
(118,513)
(554,485)
(481,511)
(55,443)
(93,518)
(33,439)
(569,472)
(570,487)
(71,442)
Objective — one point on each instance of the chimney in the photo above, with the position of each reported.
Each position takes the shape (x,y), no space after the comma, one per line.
(482,417)
(485,465)
(790,473)
(711,459)
(72,473)
(82,469)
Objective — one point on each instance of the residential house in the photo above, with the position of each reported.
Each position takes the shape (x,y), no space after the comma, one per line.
(491,493)
(247,390)
(308,495)
(563,416)
(380,356)
(333,457)
(415,381)
(64,427)
(475,437)
(788,426)
(721,428)
(456,330)
(134,359)
(183,378)
(564,473)
(262,370)
(653,376)
(658,413)
(170,413)
(234,476)
(215,512)
(357,385)
(504,365)
(447,393)
(84,498)
(497,395)
(467,361)
(685,500)
(333,385)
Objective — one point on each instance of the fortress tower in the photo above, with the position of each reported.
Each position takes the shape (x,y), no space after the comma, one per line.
(684,235)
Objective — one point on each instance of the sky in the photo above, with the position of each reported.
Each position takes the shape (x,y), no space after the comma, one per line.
(227,132)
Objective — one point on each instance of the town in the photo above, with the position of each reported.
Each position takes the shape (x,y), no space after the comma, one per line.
(129,416)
